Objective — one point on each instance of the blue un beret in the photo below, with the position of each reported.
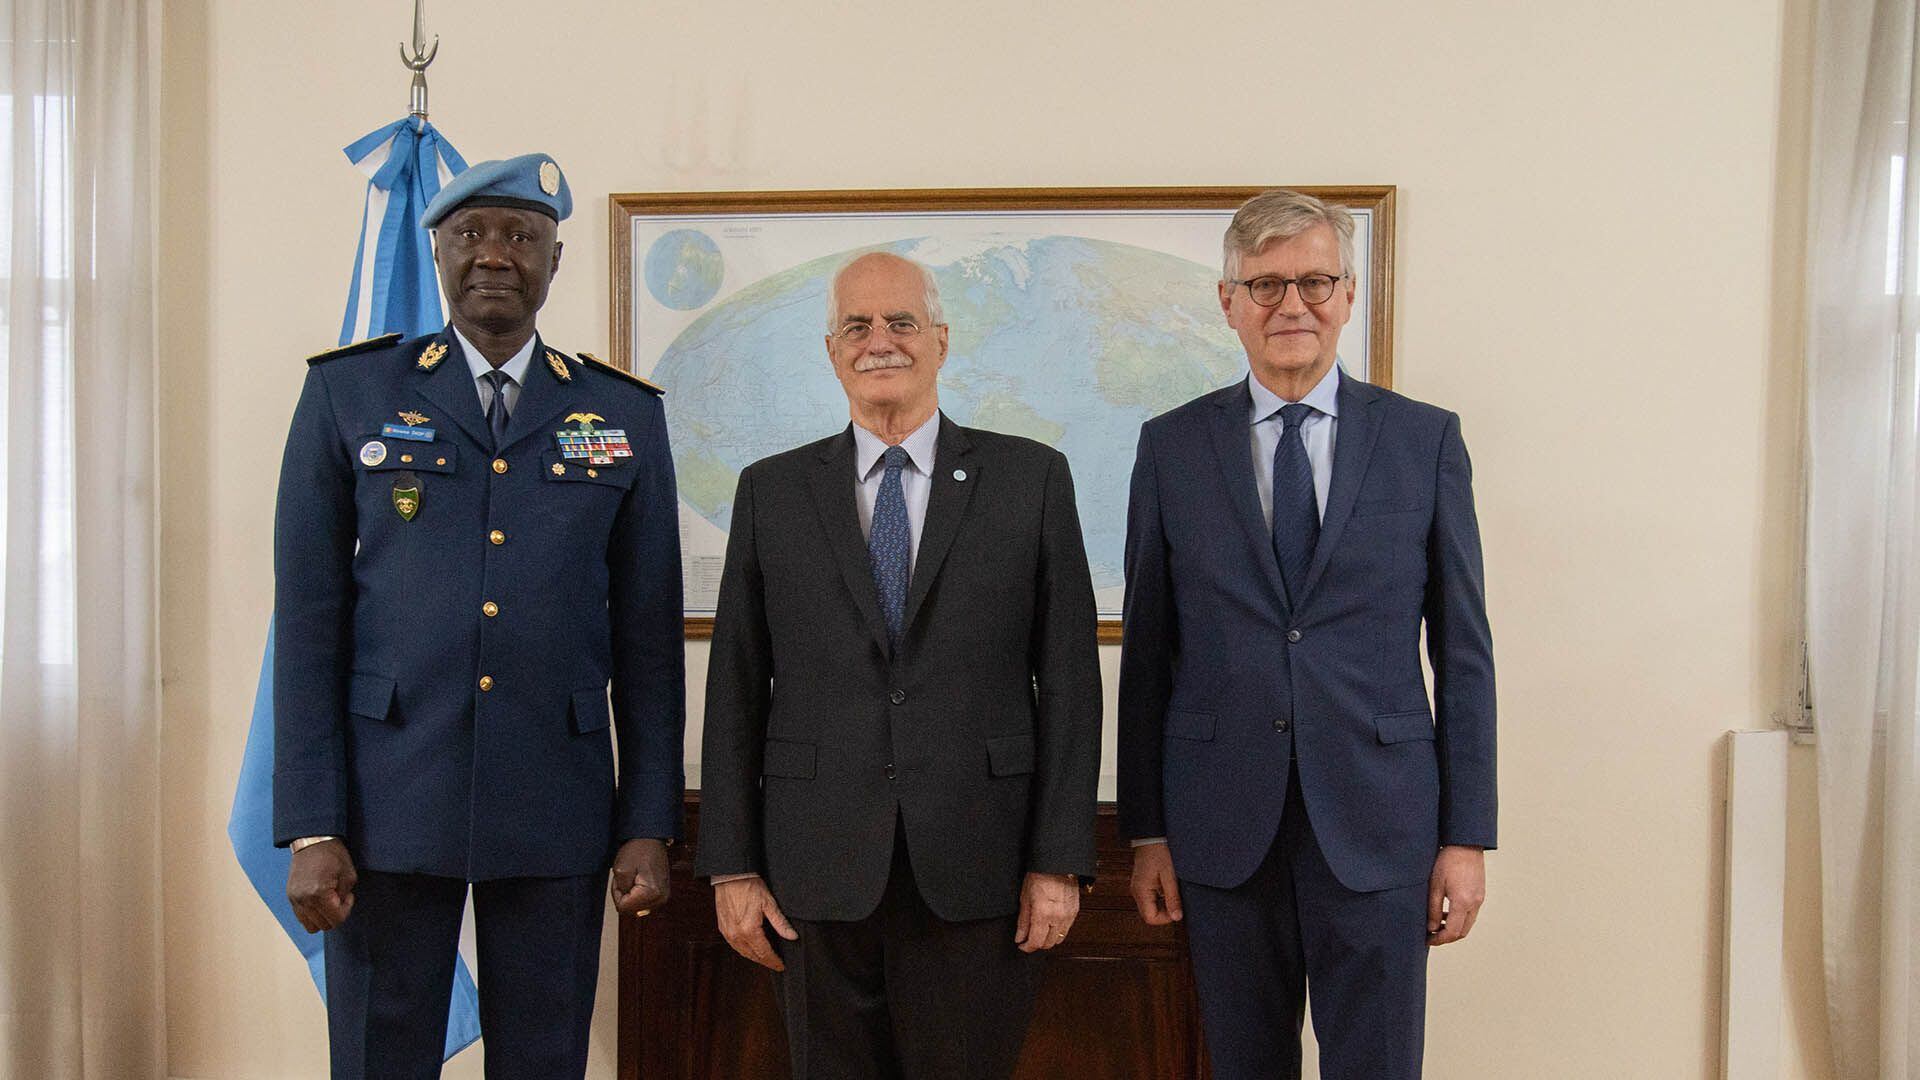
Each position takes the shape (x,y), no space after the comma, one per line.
(528,182)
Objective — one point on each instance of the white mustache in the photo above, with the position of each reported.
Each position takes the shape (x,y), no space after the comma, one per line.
(886,360)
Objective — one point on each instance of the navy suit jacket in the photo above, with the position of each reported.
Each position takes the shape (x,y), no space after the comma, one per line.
(546,577)
(1213,651)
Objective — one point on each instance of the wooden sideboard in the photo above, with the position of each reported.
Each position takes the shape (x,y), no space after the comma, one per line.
(1117,1002)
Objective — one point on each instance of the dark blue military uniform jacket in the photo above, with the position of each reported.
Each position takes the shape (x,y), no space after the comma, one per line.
(449,615)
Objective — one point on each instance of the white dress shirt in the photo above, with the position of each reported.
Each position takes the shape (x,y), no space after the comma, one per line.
(916,478)
(1316,431)
(515,367)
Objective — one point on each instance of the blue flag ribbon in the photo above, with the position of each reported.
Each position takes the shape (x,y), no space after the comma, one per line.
(402,295)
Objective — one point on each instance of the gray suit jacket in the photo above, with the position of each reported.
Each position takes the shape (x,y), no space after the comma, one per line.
(981,734)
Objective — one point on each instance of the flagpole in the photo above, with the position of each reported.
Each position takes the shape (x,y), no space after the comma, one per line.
(416,62)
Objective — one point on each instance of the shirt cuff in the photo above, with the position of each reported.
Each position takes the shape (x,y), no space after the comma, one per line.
(1143,841)
(722,879)
(309,841)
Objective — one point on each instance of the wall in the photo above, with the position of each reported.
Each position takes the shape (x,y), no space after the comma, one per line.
(1589,237)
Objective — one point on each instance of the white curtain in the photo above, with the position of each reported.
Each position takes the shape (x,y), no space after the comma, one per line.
(1863,584)
(80,972)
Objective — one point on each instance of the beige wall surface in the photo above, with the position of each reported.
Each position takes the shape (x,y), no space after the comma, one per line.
(1587,252)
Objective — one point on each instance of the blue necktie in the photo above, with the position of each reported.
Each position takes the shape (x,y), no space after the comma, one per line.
(1296,512)
(889,544)
(497,408)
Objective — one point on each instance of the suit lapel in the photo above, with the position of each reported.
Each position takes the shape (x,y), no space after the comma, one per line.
(946,507)
(833,498)
(1358,429)
(449,386)
(1232,444)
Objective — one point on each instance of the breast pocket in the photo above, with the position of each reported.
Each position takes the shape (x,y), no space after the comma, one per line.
(556,469)
(400,482)
(373,454)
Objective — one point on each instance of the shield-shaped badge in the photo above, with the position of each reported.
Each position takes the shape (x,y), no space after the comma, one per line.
(406,496)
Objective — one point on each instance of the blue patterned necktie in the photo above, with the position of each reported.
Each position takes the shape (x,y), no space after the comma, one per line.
(497,407)
(889,543)
(1296,512)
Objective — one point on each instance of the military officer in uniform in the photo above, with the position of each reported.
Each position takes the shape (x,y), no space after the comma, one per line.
(476,536)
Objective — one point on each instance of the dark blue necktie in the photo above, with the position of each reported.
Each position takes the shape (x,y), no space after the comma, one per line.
(1296,513)
(497,407)
(889,543)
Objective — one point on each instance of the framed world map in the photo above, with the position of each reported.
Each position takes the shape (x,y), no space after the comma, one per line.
(1076,314)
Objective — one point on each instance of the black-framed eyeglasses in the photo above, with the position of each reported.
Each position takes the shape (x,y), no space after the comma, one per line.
(1268,290)
(857,333)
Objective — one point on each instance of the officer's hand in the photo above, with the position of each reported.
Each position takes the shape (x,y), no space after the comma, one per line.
(1156,892)
(1048,905)
(320,885)
(743,908)
(641,880)
(1455,892)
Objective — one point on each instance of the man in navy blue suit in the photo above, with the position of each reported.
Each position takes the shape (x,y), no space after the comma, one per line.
(476,534)
(1289,790)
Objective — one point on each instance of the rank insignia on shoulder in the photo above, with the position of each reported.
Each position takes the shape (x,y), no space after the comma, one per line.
(595,446)
(431,358)
(598,364)
(354,349)
(559,366)
(414,419)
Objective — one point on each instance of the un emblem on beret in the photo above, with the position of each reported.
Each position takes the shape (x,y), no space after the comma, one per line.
(550,178)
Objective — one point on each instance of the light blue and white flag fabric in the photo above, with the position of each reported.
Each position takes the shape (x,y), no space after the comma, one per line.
(394,289)
(394,286)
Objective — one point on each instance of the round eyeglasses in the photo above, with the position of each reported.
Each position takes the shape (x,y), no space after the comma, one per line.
(858,332)
(1268,290)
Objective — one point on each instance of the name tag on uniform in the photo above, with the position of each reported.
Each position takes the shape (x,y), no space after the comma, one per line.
(406,431)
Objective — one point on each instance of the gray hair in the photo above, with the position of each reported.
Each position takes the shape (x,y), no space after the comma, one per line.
(1282,215)
(929,289)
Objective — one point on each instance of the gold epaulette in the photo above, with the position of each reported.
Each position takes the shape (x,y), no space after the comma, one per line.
(598,364)
(354,349)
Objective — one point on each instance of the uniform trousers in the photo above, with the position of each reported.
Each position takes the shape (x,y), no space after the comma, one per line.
(904,994)
(390,974)
(1291,934)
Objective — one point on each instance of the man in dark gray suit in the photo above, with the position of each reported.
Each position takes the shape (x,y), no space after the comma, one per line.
(903,713)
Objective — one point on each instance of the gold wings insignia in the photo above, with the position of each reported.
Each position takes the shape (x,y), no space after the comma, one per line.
(584,417)
(414,418)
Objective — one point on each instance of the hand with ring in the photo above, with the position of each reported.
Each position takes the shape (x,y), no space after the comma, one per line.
(1048,905)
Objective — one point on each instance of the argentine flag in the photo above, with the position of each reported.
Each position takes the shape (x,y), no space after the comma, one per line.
(394,288)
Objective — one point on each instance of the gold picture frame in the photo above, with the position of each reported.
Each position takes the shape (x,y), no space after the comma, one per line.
(634,217)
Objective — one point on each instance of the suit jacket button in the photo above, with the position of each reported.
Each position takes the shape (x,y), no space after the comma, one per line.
(486,682)
(497,536)
(889,772)
(1281,725)
(499,465)
(897,697)
(1293,636)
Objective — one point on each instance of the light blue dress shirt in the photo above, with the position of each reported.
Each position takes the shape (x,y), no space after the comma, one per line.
(916,484)
(1316,431)
(916,479)
(1265,427)
(515,367)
